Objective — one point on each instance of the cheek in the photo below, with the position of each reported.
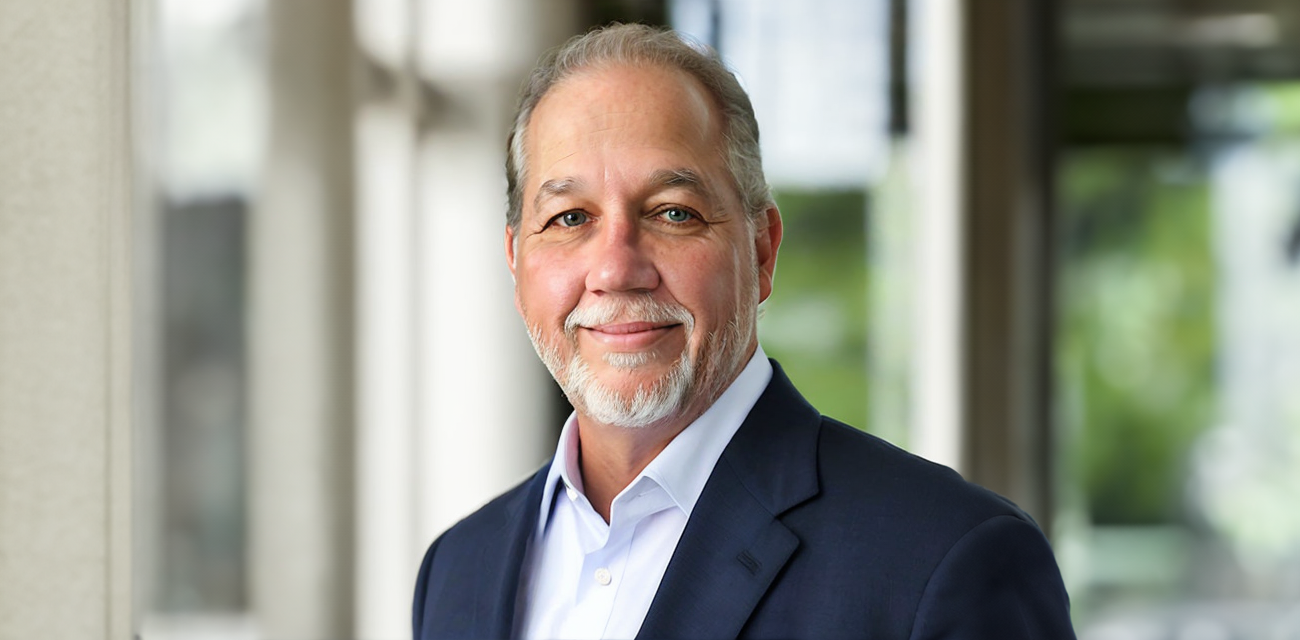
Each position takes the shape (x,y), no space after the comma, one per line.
(711,283)
(547,287)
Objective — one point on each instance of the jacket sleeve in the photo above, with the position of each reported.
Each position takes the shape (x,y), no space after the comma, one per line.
(998,582)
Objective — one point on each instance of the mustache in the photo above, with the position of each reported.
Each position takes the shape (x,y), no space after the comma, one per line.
(643,309)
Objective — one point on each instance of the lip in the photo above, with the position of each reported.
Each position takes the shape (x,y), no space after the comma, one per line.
(630,336)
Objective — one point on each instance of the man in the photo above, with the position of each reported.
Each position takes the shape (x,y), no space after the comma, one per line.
(694,493)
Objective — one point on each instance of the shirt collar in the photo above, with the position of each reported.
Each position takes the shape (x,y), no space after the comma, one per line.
(684,466)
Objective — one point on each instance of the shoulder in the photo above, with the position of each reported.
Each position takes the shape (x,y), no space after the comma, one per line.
(803,464)
(897,546)
(854,465)
(497,513)
(506,511)
(897,509)
(953,552)
(900,503)
(477,555)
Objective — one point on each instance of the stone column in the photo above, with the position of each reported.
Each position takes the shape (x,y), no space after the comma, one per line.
(982,391)
(301,423)
(65,320)
(483,397)
(454,405)
(1008,256)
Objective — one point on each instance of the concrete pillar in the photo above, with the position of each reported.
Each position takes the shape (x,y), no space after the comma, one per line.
(301,426)
(983,343)
(1007,269)
(387,549)
(937,429)
(450,406)
(484,398)
(65,320)
(454,405)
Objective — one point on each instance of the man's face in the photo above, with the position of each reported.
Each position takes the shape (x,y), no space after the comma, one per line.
(633,234)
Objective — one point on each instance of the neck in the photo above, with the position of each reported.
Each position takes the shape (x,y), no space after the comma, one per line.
(611,457)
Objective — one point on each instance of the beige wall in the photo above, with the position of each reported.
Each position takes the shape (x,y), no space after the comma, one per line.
(64,320)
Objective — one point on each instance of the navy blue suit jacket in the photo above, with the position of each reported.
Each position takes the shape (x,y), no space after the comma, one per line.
(807,528)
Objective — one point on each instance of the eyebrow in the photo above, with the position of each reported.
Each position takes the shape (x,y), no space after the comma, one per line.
(663,178)
(681,177)
(554,188)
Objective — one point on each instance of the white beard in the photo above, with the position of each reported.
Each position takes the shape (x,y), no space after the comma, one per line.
(664,397)
(603,404)
(648,406)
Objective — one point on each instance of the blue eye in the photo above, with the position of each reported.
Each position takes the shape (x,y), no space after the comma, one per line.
(572,218)
(676,215)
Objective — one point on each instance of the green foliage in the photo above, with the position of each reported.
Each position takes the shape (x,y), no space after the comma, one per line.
(1135,348)
(815,321)
(1282,102)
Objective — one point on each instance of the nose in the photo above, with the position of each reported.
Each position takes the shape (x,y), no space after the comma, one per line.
(621,259)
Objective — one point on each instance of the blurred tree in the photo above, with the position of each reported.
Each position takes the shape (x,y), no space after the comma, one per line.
(815,322)
(1136,335)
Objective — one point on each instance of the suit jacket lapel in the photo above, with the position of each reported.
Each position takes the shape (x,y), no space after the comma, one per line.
(502,558)
(734,544)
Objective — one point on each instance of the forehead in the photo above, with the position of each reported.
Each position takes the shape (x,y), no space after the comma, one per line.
(621,117)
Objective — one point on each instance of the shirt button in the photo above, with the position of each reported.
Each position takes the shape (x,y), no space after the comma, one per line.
(603,577)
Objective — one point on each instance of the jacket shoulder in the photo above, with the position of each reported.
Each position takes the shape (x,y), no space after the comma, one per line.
(892,536)
(497,513)
(893,482)
(960,557)
(466,570)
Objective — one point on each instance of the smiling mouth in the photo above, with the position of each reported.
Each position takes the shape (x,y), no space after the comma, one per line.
(625,328)
(630,336)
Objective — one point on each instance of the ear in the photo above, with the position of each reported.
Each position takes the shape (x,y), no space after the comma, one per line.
(510,250)
(510,264)
(767,239)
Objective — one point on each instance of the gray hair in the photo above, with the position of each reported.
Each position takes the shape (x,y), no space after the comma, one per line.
(639,44)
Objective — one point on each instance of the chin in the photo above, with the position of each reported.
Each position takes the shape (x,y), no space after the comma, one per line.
(649,403)
(628,361)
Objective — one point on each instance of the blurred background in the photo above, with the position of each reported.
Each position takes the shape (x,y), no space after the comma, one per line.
(1053,244)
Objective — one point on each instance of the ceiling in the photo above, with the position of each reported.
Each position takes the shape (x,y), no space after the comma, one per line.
(1178,42)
